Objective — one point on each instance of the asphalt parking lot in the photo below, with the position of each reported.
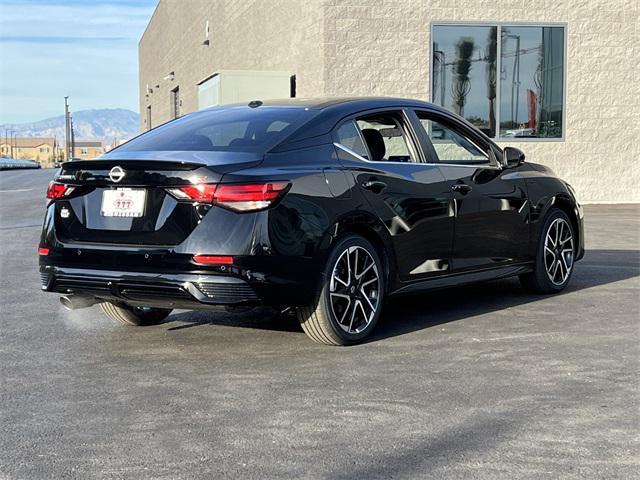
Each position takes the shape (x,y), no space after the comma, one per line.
(474,382)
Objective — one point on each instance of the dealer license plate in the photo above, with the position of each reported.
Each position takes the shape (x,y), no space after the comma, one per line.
(123,202)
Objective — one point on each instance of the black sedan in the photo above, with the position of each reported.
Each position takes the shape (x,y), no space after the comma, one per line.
(325,206)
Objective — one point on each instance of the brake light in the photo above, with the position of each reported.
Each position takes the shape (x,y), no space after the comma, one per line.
(44,251)
(59,190)
(241,197)
(249,196)
(213,259)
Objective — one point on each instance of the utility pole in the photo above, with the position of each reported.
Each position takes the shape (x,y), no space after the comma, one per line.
(6,141)
(67,137)
(73,139)
(13,137)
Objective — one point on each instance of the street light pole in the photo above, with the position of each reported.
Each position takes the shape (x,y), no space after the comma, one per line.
(67,139)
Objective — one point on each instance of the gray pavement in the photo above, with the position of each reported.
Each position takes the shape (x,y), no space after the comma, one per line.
(476,382)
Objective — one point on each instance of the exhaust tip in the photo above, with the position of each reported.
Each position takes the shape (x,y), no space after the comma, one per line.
(75,302)
(66,302)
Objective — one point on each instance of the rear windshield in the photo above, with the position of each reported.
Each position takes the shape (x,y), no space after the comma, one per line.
(222,129)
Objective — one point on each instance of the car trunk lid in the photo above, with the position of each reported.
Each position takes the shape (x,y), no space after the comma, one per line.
(125,200)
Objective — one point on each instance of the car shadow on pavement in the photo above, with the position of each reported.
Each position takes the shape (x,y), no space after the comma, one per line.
(409,313)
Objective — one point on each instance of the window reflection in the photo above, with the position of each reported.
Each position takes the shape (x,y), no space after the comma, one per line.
(464,72)
(531,76)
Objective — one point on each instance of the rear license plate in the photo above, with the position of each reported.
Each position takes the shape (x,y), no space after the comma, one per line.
(123,202)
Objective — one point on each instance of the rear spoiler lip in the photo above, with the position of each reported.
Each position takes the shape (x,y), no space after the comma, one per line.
(106,164)
(199,157)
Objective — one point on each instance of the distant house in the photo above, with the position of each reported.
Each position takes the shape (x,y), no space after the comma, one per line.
(116,143)
(41,149)
(88,149)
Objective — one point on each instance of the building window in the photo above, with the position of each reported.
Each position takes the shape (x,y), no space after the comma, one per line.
(148,119)
(84,151)
(508,80)
(175,102)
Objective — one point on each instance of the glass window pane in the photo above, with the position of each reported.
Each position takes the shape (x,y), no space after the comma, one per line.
(349,137)
(450,145)
(385,137)
(464,72)
(223,129)
(531,82)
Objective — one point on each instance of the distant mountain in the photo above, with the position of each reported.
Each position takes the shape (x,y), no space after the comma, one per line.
(108,124)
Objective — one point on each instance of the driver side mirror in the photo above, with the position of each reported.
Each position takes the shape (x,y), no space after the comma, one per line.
(512,157)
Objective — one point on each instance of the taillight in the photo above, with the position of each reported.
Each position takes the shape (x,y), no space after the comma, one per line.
(59,190)
(241,197)
(44,251)
(249,196)
(202,192)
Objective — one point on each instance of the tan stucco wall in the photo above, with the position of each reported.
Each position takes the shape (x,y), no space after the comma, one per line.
(382,47)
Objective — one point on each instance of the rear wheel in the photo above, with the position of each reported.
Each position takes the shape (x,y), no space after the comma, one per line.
(555,256)
(349,300)
(136,316)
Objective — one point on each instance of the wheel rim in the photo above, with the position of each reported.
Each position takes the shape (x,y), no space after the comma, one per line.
(354,290)
(558,251)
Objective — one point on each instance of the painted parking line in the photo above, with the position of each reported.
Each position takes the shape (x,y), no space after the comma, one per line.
(17,190)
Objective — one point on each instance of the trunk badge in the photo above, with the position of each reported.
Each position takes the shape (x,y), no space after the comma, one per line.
(116,174)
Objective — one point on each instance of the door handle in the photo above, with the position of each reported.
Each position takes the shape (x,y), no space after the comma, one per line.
(462,188)
(376,186)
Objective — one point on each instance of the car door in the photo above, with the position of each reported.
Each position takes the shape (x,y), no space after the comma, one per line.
(411,198)
(489,202)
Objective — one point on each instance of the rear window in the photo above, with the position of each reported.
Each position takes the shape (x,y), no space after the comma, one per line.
(222,129)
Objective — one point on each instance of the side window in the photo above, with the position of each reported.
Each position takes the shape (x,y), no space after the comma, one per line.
(450,145)
(349,137)
(385,137)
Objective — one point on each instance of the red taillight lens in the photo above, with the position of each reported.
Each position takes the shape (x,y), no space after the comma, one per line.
(58,190)
(242,197)
(202,192)
(249,196)
(213,259)
(44,251)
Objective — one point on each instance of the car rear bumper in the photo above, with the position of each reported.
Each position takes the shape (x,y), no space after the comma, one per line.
(162,290)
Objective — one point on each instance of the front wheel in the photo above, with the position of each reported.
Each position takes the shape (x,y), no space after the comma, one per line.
(350,296)
(136,316)
(555,255)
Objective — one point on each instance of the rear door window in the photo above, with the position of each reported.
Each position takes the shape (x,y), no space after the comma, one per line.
(223,129)
(385,137)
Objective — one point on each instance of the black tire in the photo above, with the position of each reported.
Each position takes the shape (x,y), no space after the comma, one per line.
(135,316)
(319,320)
(540,281)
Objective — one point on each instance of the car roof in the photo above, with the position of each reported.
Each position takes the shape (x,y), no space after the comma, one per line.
(331,110)
(349,102)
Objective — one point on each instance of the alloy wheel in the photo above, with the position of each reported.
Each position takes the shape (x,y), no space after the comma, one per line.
(558,251)
(354,289)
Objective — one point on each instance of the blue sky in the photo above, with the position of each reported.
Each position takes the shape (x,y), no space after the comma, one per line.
(87,49)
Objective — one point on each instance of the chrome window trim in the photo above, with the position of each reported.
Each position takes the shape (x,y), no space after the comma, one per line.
(362,159)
